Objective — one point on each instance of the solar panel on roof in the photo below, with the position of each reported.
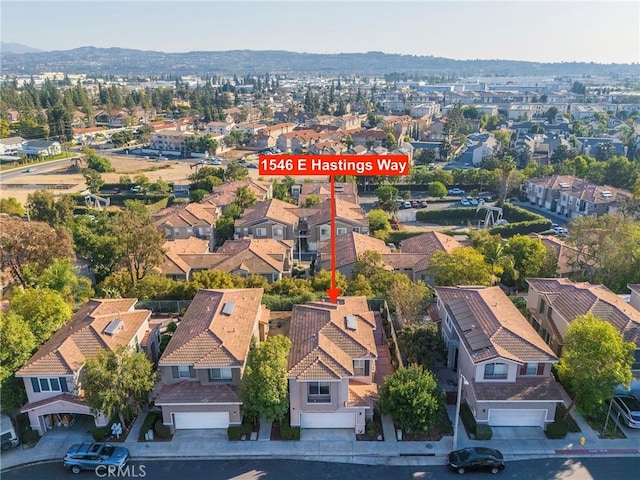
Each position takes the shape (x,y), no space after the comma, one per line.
(350,322)
(228,307)
(113,327)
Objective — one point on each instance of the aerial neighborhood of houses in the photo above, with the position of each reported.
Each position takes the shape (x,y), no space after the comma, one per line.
(517,229)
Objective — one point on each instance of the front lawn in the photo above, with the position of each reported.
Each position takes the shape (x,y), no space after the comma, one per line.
(443,428)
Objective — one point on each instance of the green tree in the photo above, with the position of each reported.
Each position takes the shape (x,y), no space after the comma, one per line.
(311,200)
(245,197)
(359,286)
(379,225)
(387,196)
(422,345)
(236,171)
(43,207)
(321,281)
(117,382)
(437,189)
(595,360)
(99,164)
(530,258)
(412,398)
(224,230)
(18,342)
(139,241)
(264,387)
(369,264)
(11,206)
(93,179)
(61,277)
(45,311)
(461,266)
(409,299)
(35,243)
(215,279)
(507,167)
(390,141)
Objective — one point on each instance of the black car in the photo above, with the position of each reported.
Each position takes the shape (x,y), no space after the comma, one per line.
(476,458)
(89,456)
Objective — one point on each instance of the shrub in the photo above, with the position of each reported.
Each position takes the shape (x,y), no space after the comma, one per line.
(556,430)
(468,420)
(148,424)
(449,216)
(235,432)
(161,431)
(287,432)
(483,432)
(100,434)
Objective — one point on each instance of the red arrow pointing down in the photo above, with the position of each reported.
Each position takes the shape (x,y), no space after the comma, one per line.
(333,292)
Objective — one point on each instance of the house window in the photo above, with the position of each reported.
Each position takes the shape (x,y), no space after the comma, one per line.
(341,231)
(318,392)
(184,371)
(277,231)
(542,306)
(220,374)
(356,229)
(261,232)
(324,231)
(360,368)
(532,369)
(495,371)
(50,384)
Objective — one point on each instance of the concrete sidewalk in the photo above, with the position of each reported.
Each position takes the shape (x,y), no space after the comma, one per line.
(515,443)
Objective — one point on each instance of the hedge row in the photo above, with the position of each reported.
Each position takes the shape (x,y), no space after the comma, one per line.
(516,214)
(482,431)
(522,228)
(448,216)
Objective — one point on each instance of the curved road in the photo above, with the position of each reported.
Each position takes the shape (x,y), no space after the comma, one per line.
(541,469)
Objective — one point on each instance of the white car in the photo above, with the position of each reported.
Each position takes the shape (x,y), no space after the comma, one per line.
(473,201)
(465,202)
(456,191)
(407,204)
(216,161)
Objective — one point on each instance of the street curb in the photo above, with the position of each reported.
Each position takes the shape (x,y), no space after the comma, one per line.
(28,464)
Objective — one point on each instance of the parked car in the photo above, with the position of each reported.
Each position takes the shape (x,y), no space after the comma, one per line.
(424,203)
(30,169)
(406,204)
(465,202)
(136,189)
(628,407)
(414,204)
(392,247)
(88,456)
(456,191)
(476,458)
(9,439)
(473,201)
(216,161)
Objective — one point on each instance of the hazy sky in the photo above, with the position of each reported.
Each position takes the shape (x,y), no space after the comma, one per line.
(545,31)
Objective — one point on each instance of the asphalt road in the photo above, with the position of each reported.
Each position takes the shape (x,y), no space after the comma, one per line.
(541,469)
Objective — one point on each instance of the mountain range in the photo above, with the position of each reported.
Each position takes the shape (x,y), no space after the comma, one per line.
(9,47)
(120,61)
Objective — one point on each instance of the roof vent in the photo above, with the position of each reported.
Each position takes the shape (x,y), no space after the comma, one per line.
(350,322)
(606,193)
(228,307)
(113,327)
(564,185)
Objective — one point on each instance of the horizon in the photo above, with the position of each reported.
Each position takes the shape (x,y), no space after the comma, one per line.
(310,53)
(541,31)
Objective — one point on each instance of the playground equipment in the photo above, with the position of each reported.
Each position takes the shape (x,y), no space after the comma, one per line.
(94,201)
(493,218)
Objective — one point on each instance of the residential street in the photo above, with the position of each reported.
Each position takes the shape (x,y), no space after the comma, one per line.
(548,469)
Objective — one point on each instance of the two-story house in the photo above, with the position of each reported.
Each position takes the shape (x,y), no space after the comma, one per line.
(316,221)
(503,363)
(271,218)
(53,375)
(347,191)
(201,368)
(332,364)
(190,220)
(553,303)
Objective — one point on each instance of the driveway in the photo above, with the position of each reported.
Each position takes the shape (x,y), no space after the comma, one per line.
(327,434)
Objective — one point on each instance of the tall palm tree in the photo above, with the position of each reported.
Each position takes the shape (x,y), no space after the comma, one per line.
(495,254)
(507,166)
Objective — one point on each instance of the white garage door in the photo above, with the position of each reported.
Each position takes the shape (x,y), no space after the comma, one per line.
(516,418)
(190,420)
(328,420)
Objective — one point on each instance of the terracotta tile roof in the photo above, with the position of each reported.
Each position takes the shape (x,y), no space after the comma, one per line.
(344,190)
(273,209)
(206,337)
(174,250)
(362,394)
(63,397)
(323,348)
(225,193)
(533,388)
(348,248)
(83,336)
(195,393)
(491,326)
(190,215)
(564,253)
(569,300)
(426,245)
(345,211)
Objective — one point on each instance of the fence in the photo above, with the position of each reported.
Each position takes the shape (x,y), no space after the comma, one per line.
(164,306)
(381,305)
